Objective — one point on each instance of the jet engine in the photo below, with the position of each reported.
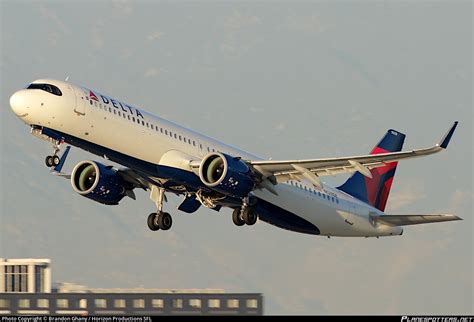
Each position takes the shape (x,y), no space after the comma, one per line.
(98,182)
(226,174)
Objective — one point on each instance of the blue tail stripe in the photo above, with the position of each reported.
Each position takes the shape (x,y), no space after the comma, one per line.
(392,141)
(355,186)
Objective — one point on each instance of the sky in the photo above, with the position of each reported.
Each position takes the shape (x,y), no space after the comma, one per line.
(283,80)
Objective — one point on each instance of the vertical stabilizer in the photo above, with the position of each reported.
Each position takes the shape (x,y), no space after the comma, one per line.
(375,190)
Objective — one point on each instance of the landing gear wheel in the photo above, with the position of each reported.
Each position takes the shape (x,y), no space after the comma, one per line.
(49,161)
(249,215)
(238,221)
(152,222)
(55,160)
(165,221)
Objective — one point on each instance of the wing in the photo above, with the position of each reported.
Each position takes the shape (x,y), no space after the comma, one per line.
(404,220)
(315,168)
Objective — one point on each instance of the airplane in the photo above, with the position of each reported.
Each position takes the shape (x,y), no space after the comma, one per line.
(162,157)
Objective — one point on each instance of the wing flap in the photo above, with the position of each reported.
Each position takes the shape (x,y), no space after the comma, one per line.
(405,220)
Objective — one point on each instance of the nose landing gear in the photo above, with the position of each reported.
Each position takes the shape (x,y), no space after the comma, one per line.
(53,160)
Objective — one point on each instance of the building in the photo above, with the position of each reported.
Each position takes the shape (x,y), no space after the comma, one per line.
(25,275)
(27,290)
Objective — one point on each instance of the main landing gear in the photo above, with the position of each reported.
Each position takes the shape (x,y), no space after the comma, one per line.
(53,160)
(245,215)
(159,220)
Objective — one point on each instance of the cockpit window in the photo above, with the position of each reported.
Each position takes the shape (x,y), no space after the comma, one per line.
(46,87)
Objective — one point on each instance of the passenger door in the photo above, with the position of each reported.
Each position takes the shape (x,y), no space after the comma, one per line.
(200,147)
(351,215)
(80,108)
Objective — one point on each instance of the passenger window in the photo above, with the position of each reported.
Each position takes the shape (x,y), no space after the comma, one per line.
(133,119)
(143,123)
(151,125)
(180,137)
(119,113)
(110,110)
(115,112)
(166,132)
(175,135)
(128,117)
(147,124)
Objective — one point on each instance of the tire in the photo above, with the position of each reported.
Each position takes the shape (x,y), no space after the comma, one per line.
(49,161)
(249,216)
(151,222)
(236,218)
(56,160)
(165,221)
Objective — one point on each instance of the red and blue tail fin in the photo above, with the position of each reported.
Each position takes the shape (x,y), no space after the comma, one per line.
(375,190)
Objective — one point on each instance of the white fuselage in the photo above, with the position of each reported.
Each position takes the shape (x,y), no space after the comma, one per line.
(107,122)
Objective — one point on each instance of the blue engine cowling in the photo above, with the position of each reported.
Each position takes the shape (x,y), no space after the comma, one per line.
(227,175)
(98,182)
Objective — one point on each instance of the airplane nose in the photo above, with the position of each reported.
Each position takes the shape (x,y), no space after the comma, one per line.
(18,104)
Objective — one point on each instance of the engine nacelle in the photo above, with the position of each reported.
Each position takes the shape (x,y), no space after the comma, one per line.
(225,174)
(98,182)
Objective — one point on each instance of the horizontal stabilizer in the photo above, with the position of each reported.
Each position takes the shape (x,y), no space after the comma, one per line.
(404,220)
